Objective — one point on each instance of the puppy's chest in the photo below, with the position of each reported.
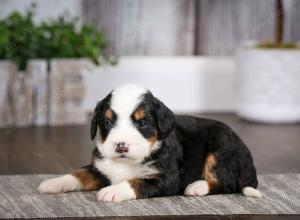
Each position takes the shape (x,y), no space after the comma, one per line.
(118,172)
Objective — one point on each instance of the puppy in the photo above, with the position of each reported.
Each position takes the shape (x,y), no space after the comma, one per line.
(143,150)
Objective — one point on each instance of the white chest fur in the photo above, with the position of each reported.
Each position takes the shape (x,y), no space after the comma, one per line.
(119,171)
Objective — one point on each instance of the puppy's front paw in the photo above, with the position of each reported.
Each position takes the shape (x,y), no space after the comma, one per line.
(198,188)
(60,184)
(50,186)
(116,193)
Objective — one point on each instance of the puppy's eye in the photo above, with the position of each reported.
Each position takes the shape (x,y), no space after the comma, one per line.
(108,124)
(143,123)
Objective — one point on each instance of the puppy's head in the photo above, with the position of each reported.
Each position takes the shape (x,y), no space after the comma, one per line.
(131,123)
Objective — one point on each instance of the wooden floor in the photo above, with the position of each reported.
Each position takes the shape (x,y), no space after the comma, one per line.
(275,148)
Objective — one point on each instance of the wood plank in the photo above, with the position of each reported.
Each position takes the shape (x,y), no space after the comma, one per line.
(144,27)
(224,25)
(23,95)
(186,27)
(291,20)
(67,90)
(8,73)
(40,100)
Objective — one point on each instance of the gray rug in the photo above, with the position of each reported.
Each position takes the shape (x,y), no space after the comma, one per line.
(19,199)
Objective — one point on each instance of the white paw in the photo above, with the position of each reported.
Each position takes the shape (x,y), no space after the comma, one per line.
(116,193)
(250,191)
(50,186)
(198,188)
(60,184)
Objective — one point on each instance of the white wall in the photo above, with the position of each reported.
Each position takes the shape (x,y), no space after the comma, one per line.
(185,84)
(46,9)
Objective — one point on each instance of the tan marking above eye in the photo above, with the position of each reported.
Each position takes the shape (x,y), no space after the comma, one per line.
(109,114)
(208,172)
(139,113)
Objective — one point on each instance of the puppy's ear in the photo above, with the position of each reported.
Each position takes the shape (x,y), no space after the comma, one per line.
(94,122)
(98,114)
(165,119)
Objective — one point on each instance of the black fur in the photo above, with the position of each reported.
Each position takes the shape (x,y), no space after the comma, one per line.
(200,136)
(99,118)
(165,119)
(185,143)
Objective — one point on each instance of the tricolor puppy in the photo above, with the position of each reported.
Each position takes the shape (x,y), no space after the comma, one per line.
(143,150)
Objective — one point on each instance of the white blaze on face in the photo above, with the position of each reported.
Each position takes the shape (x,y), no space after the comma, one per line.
(123,102)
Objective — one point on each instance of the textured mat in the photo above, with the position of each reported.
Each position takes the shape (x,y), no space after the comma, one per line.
(19,199)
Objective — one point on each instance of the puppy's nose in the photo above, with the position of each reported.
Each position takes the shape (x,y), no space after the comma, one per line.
(121,147)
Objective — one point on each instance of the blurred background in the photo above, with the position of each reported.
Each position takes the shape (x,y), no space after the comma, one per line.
(232,60)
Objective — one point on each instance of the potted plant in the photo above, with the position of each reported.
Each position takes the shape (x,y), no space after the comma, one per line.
(14,50)
(50,57)
(7,74)
(268,75)
(69,52)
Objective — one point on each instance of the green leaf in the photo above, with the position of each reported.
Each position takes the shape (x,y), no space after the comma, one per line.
(21,39)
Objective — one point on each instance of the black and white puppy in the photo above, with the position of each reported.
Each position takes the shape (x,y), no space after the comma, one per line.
(143,150)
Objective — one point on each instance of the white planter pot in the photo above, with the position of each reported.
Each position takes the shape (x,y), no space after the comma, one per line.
(267,83)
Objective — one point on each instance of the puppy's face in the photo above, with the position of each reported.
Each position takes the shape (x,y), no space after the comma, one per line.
(131,123)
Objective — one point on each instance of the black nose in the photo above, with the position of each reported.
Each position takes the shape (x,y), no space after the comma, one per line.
(121,147)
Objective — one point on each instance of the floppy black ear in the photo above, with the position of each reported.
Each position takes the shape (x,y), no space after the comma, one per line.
(94,127)
(97,114)
(165,119)
(94,122)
